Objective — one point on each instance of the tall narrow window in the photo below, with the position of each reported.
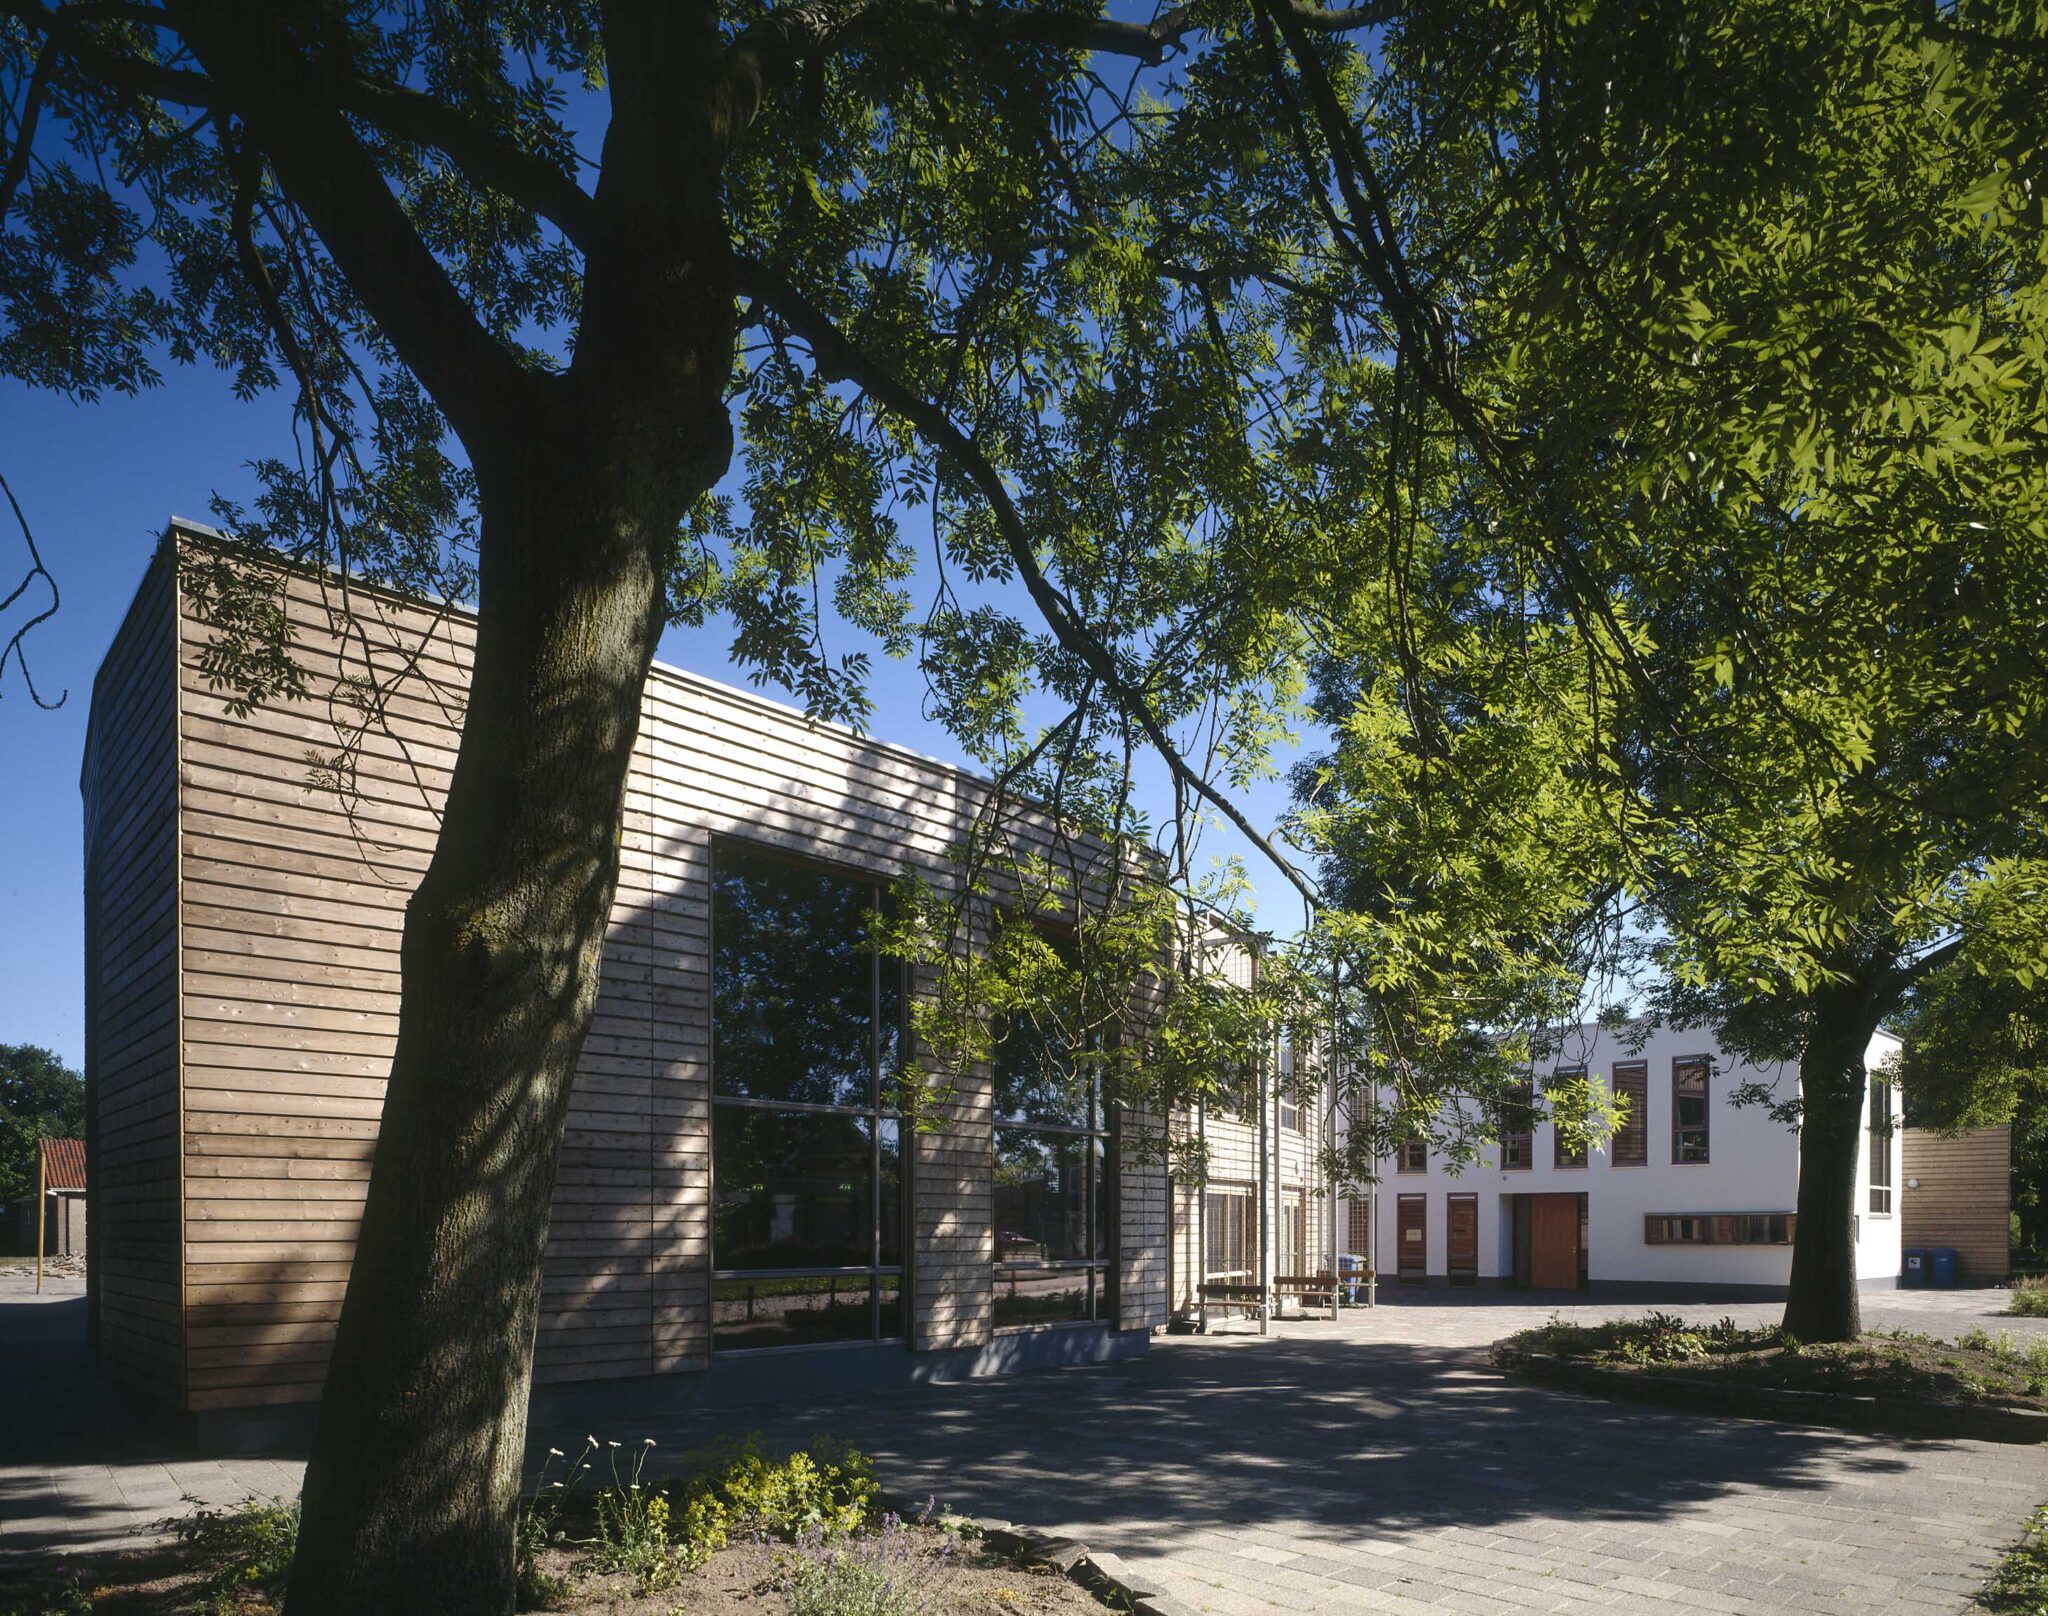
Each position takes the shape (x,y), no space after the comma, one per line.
(1880,1147)
(1689,1077)
(1632,1090)
(806,1162)
(1517,1130)
(1563,1154)
(1231,1234)
(1293,1243)
(1054,1210)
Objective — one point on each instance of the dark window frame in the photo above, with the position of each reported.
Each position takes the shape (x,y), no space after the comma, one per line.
(1405,1163)
(1720,1228)
(1631,1144)
(880,1118)
(1879,1132)
(1683,1133)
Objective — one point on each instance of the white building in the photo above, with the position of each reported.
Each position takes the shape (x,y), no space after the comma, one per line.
(1693,1191)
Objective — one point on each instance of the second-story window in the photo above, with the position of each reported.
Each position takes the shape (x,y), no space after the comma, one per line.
(1880,1147)
(1563,1154)
(1632,1089)
(1413,1156)
(1689,1080)
(1517,1130)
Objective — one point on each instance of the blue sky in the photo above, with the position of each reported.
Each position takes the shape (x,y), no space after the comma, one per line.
(98,482)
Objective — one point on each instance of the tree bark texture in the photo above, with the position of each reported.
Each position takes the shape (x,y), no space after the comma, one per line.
(1823,1303)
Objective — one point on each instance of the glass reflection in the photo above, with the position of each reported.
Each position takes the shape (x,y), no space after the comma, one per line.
(792,1189)
(1041,1196)
(790,1311)
(793,982)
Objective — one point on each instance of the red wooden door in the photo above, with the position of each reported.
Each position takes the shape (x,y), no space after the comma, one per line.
(1411,1237)
(1554,1242)
(1461,1244)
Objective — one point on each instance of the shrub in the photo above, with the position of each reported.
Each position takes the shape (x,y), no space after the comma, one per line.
(2019,1582)
(240,1551)
(2029,1297)
(830,1489)
(874,1574)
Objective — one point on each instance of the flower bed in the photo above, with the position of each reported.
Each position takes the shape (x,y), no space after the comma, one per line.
(737,1533)
(1980,1385)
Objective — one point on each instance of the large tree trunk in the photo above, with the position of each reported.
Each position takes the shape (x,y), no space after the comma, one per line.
(411,1494)
(1824,1304)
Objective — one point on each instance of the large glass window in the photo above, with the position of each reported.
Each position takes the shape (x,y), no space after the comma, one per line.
(1053,1180)
(807,1202)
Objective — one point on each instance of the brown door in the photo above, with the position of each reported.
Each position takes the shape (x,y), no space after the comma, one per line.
(1554,1242)
(1461,1247)
(1411,1238)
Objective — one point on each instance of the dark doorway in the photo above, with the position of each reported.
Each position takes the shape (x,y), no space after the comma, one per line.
(1461,1244)
(1411,1239)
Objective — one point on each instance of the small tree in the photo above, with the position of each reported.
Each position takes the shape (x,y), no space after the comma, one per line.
(40,1098)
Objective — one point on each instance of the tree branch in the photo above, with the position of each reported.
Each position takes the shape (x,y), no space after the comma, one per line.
(16,649)
(483,152)
(839,359)
(25,134)
(292,108)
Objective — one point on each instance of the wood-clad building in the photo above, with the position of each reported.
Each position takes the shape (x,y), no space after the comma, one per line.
(1958,1193)
(732,1179)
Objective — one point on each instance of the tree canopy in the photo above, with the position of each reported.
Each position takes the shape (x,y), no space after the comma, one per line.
(40,1098)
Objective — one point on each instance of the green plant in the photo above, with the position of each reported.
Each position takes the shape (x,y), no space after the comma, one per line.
(633,1528)
(2029,1297)
(2018,1585)
(830,1487)
(240,1551)
(57,1591)
(882,1573)
(540,1528)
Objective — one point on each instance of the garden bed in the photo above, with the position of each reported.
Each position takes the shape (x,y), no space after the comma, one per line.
(735,1536)
(1989,1387)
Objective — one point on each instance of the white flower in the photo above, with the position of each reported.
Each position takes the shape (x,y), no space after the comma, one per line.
(611,1444)
(648,1443)
(555,1453)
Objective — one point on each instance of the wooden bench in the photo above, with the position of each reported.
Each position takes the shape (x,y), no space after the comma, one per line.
(1225,1294)
(1311,1290)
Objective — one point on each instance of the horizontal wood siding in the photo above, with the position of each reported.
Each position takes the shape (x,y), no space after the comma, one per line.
(293,903)
(129,786)
(1964,1198)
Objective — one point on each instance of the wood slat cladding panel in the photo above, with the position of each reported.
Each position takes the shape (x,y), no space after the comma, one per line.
(292,907)
(1964,1197)
(129,787)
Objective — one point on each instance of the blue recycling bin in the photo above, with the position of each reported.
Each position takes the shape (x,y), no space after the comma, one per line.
(1913,1269)
(1942,1267)
(1352,1266)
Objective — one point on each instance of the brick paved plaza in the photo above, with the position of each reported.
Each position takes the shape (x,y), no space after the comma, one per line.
(1372,1465)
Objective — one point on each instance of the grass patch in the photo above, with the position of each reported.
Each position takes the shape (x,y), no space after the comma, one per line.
(2018,1585)
(1896,1365)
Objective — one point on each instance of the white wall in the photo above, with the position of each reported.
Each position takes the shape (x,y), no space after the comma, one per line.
(1752,1166)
